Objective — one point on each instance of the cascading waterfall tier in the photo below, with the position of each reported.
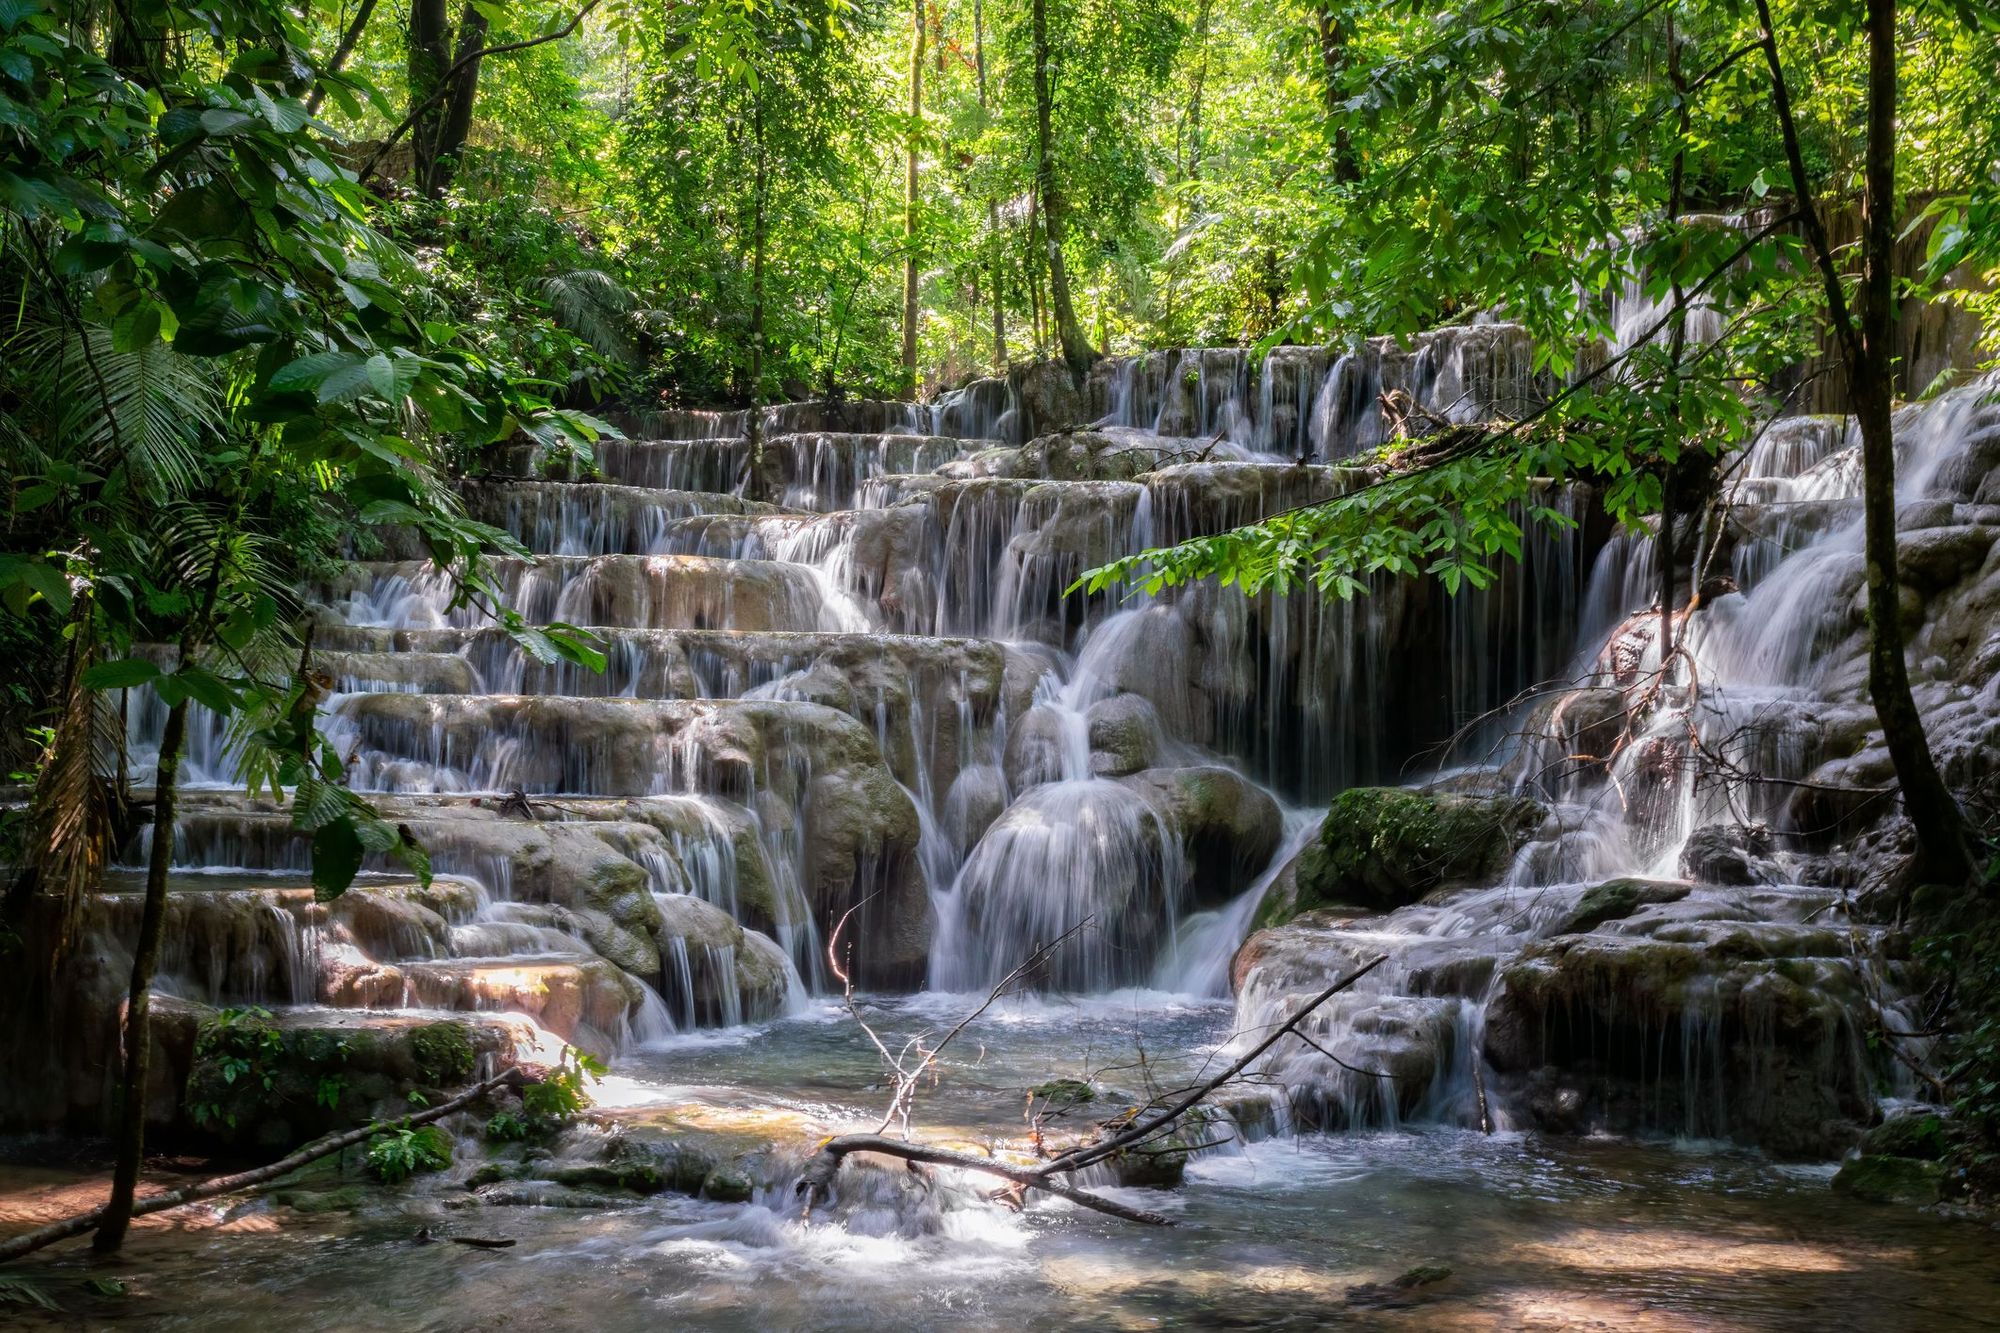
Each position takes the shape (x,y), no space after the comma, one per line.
(854,721)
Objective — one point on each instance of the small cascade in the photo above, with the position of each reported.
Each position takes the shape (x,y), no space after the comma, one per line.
(1671,950)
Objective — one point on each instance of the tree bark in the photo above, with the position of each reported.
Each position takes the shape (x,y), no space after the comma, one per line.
(1670,471)
(992,204)
(338,60)
(1333,68)
(1076,349)
(428,55)
(130,1103)
(1866,340)
(455,122)
(755,488)
(918,30)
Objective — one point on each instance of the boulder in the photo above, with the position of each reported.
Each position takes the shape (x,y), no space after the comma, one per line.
(1878,1178)
(1728,854)
(274,1081)
(1918,1134)
(1382,847)
(1614,900)
(1124,735)
(975,800)
(715,973)
(1229,827)
(1037,746)
(1764,1021)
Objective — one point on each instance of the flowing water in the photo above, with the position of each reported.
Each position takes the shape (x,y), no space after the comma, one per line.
(853,723)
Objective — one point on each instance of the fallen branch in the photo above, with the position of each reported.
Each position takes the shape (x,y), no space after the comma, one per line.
(817,1182)
(82,1223)
(1085,1155)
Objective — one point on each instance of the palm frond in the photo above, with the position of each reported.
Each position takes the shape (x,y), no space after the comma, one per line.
(593,305)
(70,821)
(100,406)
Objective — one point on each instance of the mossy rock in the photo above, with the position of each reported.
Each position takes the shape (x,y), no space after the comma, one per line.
(726,1186)
(1877,1178)
(273,1083)
(1615,900)
(343,1199)
(443,1053)
(1914,1134)
(1164,1167)
(1064,1091)
(1385,847)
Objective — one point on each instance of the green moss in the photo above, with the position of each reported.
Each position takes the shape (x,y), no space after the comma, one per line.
(1880,1179)
(344,1199)
(1919,1134)
(1064,1091)
(1383,847)
(1615,900)
(443,1052)
(727,1186)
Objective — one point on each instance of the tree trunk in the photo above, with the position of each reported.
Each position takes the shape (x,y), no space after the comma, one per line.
(1333,67)
(992,205)
(348,41)
(1076,349)
(918,30)
(130,1102)
(756,487)
(455,120)
(1867,349)
(428,57)
(42,1237)
(1671,469)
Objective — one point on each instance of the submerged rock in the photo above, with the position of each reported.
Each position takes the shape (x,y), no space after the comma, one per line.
(1382,847)
(1878,1178)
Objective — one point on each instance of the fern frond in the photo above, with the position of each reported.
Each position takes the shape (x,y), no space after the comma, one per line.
(593,305)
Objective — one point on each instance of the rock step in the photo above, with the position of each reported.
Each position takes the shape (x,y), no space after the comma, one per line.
(816,471)
(649,591)
(856,673)
(581,998)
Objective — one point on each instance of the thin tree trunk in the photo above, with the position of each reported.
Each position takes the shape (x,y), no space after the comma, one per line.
(1676,345)
(759,212)
(338,60)
(992,204)
(918,30)
(1867,349)
(455,122)
(1333,68)
(1076,349)
(130,1102)
(428,57)
(1032,260)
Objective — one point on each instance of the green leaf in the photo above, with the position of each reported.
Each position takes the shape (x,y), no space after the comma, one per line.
(120,675)
(337,855)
